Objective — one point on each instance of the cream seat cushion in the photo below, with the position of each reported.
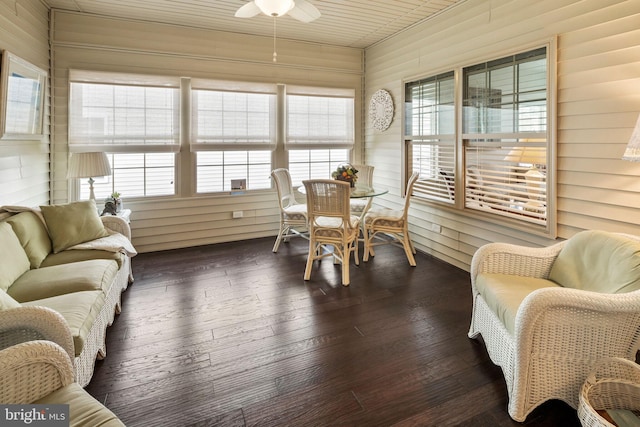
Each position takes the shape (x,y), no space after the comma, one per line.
(45,282)
(504,293)
(84,410)
(79,309)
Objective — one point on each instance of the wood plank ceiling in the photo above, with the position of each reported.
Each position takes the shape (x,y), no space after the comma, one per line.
(350,23)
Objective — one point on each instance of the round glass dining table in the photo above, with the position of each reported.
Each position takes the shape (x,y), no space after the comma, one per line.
(357,192)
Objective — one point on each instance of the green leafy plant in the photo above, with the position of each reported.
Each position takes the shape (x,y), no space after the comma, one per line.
(115,195)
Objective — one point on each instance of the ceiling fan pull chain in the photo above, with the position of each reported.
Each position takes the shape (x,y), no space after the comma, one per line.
(275,55)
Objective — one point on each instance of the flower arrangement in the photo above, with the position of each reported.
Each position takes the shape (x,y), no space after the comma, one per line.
(346,172)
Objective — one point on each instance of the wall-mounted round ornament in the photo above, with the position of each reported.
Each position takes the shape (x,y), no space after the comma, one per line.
(381,110)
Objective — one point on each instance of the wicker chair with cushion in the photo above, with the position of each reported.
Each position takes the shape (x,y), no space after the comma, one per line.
(365,179)
(393,224)
(546,315)
(331,224)
(293,215)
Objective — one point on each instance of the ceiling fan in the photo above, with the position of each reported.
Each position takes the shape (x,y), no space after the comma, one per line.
(301,10)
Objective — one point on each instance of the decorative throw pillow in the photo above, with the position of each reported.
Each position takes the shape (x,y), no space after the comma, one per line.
(72,223)
(33,236)
(13,259)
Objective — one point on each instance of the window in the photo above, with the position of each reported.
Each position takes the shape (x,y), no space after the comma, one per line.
(136,122)
(430,135)
(496,162)
(233,135)
(320,131)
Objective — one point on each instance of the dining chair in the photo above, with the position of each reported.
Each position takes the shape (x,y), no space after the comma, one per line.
(393,224)
(331,224)
(293,215)
(365,178)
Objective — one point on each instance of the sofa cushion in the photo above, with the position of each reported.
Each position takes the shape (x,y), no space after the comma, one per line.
(75,255)
(73,223)
(84,409)
(79,309)
(598,261)
(13,259)
(33,236)
(504,293)
(6,302)
(45,282)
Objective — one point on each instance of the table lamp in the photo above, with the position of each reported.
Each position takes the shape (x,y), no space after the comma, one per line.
(632,152)
(88,165)
(534,177)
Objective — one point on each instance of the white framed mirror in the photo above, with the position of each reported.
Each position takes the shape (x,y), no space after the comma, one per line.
(22,90)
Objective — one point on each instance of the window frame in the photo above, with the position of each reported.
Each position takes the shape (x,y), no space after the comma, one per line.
(548,228)
(85,141)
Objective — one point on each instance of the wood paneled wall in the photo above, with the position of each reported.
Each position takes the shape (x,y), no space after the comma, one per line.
(80,41)
(598,93)
(24,165)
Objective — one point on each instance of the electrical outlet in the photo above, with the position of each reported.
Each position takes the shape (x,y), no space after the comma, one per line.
(238,214)
(436,228)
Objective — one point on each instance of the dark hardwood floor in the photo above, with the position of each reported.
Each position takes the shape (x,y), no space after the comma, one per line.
(231,335)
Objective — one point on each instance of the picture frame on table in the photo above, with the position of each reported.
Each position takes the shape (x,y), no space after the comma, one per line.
(22,92)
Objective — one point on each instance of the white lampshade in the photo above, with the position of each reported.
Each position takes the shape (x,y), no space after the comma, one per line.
(275,7)
(528,155)
(88,165)
(632,153)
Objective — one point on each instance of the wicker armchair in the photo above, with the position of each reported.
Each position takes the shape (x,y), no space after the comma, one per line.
(40,372)
(36,370)
(547,348)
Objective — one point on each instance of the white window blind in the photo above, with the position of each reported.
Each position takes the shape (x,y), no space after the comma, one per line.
(430,135)
(106,114)
(233,119)
(319,118)
(233,133)
(505,136)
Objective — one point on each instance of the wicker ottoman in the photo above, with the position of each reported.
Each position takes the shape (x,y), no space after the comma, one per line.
(611,394)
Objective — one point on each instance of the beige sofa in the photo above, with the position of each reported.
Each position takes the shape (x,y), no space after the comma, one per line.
(547,315)
(67,258)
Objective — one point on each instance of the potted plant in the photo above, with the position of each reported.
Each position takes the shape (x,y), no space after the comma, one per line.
(115,197)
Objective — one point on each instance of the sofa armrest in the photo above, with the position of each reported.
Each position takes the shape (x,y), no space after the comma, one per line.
(21,324)
(32,370)
(117,224)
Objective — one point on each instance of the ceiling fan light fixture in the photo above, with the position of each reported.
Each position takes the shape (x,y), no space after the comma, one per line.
(275,7)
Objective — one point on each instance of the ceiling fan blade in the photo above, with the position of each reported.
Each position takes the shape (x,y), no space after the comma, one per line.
(249,10)
(304,11)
